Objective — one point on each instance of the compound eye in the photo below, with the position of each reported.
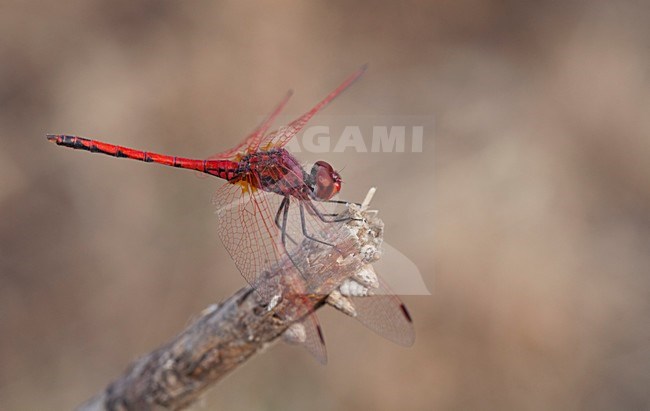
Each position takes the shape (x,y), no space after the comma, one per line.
(327,182)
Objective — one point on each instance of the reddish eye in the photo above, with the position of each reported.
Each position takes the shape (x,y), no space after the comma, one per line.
(326,181)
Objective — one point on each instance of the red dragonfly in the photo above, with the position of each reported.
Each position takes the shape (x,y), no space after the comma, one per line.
(270,202)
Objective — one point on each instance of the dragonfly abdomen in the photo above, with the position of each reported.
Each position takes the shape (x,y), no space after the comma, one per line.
(225,169)
(220,168)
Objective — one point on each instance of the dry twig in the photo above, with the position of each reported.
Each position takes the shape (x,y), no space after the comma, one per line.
(225,335)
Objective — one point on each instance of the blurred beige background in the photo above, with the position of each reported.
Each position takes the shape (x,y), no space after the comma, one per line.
(530,219)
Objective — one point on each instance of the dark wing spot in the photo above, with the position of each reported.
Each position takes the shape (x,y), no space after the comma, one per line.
(320,334)
(406,313)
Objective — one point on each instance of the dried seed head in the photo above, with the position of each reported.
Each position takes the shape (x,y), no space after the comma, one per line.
(367,277)
(341,303)
(354,289)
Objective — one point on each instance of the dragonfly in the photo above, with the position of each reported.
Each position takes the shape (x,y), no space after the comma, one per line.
(269,203)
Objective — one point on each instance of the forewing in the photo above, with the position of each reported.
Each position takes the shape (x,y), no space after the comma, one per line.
(282,136)
(250,143)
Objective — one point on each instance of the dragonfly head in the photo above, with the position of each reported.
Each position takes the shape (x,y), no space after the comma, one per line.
(325,181)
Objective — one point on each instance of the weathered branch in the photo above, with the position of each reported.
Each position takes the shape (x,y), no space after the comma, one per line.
(226,334)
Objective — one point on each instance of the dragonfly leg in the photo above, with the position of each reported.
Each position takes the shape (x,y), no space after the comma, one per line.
(283,229)
(346,203)
(322,216)
(277,215)
(304,228)
(284,204)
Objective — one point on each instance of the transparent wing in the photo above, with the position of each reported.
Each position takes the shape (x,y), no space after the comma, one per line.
(261,229)
(309,225)
(250,143)
(314,341)
(247,229)
(306,329)
(282,136)
(385,314)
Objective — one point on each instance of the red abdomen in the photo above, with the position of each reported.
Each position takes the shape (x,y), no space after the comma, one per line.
(225,169)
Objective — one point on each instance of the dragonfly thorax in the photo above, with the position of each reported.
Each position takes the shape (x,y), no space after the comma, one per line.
(276,171)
